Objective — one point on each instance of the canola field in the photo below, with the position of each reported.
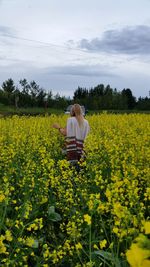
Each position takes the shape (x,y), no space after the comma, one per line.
(54,215)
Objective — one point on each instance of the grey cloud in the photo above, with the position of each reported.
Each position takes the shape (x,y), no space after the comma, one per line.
(82,70)
(2,57)
(129,40)
(89,71)
(4,31)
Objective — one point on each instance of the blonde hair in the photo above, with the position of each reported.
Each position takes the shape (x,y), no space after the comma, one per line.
(76,111)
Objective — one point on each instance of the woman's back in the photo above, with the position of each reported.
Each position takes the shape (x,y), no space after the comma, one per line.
(76,130)
(76,133)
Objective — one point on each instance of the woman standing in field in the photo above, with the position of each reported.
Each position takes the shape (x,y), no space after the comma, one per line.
(76,131)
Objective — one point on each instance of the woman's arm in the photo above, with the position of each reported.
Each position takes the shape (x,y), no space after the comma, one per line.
(63,131)
(60,129)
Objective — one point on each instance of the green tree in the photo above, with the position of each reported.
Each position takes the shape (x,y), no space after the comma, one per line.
(25,86)
(143,103)
(41,98)
(131,100)
(25,97)
(8,87)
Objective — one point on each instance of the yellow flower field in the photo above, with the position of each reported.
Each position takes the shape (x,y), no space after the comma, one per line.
(53,215)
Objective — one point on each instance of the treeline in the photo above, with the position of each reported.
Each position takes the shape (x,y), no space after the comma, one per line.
(100,97)
(30,94)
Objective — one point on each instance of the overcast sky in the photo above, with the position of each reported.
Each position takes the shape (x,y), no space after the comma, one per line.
(63,44)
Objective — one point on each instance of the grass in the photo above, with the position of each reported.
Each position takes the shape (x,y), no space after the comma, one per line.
(9,110)
(34,111)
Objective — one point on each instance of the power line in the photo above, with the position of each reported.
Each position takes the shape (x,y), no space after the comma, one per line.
(46,43)
(67,50)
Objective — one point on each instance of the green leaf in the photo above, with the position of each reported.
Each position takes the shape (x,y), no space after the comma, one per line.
(108,256)
(36,244)
(52,215)
(104,254)
(51,209)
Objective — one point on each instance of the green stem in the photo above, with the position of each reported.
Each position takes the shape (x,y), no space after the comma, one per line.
(3,218)
(90,243)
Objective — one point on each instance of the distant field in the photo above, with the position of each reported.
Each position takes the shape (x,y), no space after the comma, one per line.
(9,111)
(6,111)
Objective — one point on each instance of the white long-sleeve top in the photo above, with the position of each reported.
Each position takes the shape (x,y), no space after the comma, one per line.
(75,130)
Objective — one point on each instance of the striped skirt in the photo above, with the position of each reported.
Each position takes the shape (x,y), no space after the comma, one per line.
(74,149)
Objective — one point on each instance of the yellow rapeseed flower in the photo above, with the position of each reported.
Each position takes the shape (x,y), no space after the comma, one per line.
(138,255)
(103,243)
(2,245)
(2,196)
(147,227)
(29,241)
(87,219)
(8,235)
(115,230)
(78,246)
